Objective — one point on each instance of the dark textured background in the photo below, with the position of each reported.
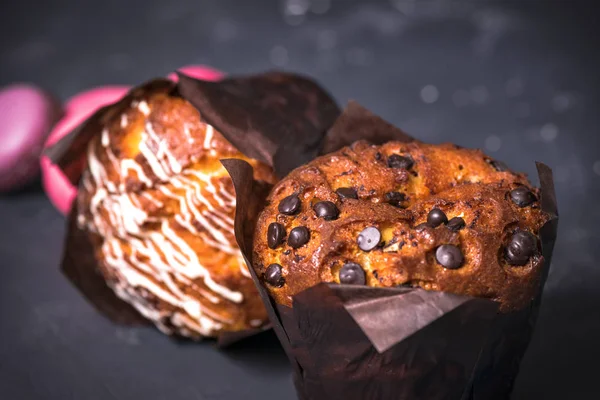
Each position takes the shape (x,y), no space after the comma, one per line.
(517,78)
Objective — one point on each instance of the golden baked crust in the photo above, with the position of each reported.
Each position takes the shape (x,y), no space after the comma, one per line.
(160,206)
(462,183)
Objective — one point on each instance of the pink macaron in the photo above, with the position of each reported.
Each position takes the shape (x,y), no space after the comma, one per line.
(27,115)
(199,72)
(77,109)
(58,188)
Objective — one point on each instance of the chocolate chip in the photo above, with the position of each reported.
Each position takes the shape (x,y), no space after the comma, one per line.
(449,256)
(522,196)
(273,275)
(521,247)
(347,193)
(352,274)
(398,161)
(456,224)
(395,198)
(290,205)
(298,237)
(436,217)
(378,156)
(275,234)
(497,165)
(369,238)
(326,210)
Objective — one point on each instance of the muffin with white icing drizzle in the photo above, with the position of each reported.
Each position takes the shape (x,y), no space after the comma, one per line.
(160,209)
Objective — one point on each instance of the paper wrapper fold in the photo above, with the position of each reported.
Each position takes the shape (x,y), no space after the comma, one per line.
(355,342)
(277,118)
(262,115)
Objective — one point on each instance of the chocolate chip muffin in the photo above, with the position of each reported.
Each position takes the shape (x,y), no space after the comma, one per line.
(159,208)
(438,217)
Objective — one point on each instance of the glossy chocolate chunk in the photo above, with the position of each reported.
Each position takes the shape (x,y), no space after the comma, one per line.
(395,198)
(290,205)
(298,237)
(436,217)
(369,238)
(352,274)
(275,235)
(398,161)
(274,275)
(522,196)
(521,247)
(347,193)
(449,256)
(456,224)
(326,210)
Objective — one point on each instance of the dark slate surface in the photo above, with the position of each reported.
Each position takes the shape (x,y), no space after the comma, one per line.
(517,78)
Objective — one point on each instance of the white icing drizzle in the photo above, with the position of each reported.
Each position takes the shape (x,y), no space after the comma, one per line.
(208,136)
(87,184)
(111,157)
(211,297)
(105,139)
(152,159)
(144,108)
(130,165)
(152,200)
(162,262)
(97,171)
(187,132)
(228,196)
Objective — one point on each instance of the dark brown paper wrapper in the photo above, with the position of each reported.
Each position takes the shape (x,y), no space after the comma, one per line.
(358,123)
(354,342)
(259,114)
(276,117)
